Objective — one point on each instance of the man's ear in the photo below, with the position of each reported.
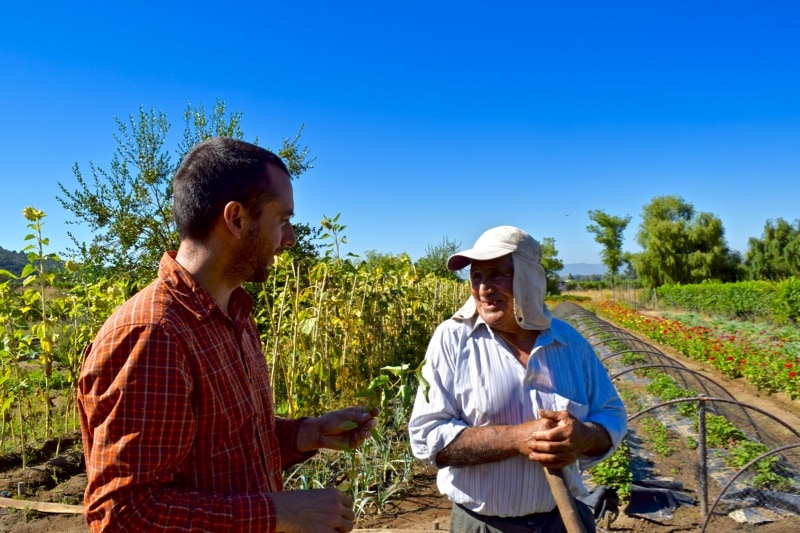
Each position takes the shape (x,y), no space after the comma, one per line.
(233,215)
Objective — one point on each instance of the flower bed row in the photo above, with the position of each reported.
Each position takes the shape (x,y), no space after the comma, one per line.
(771,364)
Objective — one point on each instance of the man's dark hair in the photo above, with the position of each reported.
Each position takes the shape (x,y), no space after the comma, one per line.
(217,171)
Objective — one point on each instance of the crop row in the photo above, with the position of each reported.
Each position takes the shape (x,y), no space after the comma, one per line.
(776,301)
(770,363)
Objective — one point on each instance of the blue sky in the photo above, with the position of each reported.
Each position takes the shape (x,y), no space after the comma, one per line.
(429,119)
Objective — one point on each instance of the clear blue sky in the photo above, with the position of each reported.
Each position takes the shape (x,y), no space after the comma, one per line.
(429,119)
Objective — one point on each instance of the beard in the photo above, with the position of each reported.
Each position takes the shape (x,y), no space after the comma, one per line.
(256,257)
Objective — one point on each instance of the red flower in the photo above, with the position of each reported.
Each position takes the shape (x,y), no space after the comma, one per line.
(792,374)
(788,365)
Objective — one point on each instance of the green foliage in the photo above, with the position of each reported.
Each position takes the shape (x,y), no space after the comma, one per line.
(335,333)
(721,432)
(375,261)
(435,259)
(306,250)
(385,391)
(767,472)
(128,207)
(681,246)
(664,386)
(777,254)
(787,302)
(46,324)
(372,475)
(552,265)
(657,435)
(588,285)
(767,357)
(34,274)
(607,230)
(776,301)
(615,472)
(331,327)
(557,298)
(335,237)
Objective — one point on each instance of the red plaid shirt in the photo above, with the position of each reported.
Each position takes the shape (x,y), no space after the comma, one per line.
(177,415)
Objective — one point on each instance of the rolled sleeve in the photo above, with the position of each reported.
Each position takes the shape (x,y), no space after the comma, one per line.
(435,419)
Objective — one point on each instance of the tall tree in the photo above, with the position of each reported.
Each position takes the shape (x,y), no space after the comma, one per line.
(552,265)
(128,207)
(607,230)
(682,246)
(776,255)
(435,259)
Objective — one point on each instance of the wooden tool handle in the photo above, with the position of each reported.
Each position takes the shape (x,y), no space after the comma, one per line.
(566,504)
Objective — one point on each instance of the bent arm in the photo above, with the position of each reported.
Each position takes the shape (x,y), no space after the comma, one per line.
(479,445)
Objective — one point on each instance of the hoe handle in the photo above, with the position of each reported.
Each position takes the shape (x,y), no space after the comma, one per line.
(566,504)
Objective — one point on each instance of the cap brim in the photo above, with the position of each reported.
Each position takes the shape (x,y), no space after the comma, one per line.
(457,262)
(462,259)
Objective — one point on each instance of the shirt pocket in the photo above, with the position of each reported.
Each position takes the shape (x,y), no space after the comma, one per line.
(552,401)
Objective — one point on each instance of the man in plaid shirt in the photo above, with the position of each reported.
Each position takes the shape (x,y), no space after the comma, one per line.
(177,413)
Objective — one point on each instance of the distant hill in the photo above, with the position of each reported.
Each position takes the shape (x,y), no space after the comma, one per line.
(12,261)
(583,269)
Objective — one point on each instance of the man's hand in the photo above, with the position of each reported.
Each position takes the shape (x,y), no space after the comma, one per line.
(569,439)
(345,429)
(313,511)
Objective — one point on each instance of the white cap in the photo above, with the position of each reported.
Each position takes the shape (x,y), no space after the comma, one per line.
(495,243)
(529,284)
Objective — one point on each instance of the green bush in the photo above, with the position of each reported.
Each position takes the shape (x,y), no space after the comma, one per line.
(787,302)
(615,472)
(776,301)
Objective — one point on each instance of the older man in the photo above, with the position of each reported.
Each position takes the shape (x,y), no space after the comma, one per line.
(511,391)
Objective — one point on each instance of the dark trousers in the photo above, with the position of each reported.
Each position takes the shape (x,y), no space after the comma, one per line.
(463,520)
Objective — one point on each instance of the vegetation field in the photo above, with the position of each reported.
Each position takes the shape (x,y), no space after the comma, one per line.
(339,329)
(390,488)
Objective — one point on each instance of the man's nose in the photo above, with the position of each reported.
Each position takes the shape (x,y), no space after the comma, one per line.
(486,288)
(289,238)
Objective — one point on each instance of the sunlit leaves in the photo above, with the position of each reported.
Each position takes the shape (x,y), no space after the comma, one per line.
(607,230)
(128,206)
(776,255)
(682,246)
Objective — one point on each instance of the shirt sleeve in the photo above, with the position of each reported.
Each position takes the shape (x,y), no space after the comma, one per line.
(605,408)
(135,397)
(435,419)
(287,429)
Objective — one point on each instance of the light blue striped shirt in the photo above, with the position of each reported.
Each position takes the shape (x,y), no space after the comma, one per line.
(476,381)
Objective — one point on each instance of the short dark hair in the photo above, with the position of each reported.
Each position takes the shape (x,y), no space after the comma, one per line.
(217,171)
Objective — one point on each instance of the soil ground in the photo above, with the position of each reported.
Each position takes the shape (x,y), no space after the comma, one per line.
(56,474)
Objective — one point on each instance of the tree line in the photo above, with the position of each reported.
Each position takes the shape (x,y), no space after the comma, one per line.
(683,246)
